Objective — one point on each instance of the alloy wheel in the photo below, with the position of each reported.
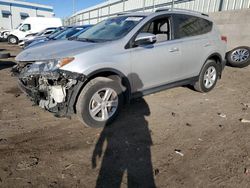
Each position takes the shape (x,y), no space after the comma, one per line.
(240,55)
(210,77)
(103,104)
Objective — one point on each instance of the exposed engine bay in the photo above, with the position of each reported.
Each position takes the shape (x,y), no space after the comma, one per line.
(52,90)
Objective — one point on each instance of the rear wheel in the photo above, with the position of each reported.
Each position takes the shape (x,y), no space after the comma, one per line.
(208,77)
(12,39)
(99,102)
(239,57)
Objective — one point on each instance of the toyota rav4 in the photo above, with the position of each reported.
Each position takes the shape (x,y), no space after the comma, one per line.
(123,57)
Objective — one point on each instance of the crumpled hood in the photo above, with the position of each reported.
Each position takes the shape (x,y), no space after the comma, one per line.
(56,50)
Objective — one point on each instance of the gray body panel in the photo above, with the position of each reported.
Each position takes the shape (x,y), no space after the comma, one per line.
(145,67)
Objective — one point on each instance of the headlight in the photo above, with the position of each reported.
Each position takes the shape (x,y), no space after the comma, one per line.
(50,65)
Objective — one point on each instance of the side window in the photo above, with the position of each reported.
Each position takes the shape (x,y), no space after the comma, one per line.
(159,27)
(48,32)
(187,26)
(25,27)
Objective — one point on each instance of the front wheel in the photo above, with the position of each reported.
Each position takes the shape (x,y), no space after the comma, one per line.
(12,40)
(208,77)
(99,102)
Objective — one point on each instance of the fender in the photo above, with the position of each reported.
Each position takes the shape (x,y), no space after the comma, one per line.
(124,79)
(74,94)
(222,64)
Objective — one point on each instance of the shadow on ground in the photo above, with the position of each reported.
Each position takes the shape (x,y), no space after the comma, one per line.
(127,150)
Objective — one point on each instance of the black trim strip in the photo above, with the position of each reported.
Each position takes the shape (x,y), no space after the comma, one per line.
(188,81)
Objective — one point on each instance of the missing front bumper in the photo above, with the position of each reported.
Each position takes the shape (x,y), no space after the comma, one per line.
(53,91)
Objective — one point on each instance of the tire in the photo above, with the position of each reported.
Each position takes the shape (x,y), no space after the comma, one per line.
(202,85)
(239,57)
(4,55)
(12,40)
(86,102)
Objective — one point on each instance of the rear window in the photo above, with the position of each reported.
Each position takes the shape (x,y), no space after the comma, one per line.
(187,26)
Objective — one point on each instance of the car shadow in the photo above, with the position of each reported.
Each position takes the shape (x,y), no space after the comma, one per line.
(127,153)
(6,64)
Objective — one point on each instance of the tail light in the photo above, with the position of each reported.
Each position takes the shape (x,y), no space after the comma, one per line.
(224,38)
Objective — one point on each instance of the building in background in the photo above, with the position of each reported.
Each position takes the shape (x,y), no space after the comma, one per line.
(111,8)
(12,12)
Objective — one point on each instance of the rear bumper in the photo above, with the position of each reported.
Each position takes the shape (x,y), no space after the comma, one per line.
(222,67)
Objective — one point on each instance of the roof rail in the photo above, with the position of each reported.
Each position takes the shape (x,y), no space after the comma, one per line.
(180,9)
(123,13)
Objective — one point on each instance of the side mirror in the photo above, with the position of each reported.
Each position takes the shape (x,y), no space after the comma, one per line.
(145,39)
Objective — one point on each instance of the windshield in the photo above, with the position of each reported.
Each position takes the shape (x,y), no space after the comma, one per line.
(68,33)
(18,26)
(82,31)
(56,33)
(40,33)
(111,29)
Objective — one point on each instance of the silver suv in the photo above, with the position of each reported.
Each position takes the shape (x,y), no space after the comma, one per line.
(127,56)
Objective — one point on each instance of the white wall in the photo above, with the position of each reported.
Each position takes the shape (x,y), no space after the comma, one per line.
(15,18)
(4,22)
(206,6)
(235,25)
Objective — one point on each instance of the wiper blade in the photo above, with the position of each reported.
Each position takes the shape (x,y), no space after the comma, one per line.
(72,38)
(85,40)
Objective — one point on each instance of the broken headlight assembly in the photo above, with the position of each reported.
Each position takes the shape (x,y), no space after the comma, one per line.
(48,66)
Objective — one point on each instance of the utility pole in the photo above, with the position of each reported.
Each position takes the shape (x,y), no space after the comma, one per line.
(144,3)
(172,5)
(123,5)
(73,1)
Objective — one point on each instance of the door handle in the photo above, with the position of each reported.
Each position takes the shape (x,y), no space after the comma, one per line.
(174,50)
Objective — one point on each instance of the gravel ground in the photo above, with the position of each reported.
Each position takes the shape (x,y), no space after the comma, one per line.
(175,138)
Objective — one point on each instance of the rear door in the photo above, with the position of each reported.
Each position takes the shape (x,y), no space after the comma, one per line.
(195,37)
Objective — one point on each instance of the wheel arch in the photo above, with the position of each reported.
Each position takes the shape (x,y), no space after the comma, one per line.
(216,56)
(218,59)
(105,72)
(113,74)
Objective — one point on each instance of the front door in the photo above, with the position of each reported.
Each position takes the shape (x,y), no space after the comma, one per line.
(157,64)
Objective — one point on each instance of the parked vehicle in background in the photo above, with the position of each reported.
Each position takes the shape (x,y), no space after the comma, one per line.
(4,35)
(239,57)
(68,33)
(121,58)
(46,38)
(32,25)
(82,31)
(46,32)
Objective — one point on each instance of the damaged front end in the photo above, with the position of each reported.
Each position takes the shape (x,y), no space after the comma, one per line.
(49,87)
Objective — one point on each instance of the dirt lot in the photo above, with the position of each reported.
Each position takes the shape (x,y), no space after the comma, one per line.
(139,149)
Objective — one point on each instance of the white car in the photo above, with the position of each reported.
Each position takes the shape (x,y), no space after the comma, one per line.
(44,33)
(32,25)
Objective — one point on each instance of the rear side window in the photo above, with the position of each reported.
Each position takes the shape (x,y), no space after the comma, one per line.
(187,26)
